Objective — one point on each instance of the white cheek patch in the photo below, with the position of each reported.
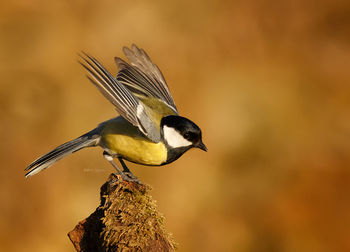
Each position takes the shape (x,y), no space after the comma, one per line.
(174,138)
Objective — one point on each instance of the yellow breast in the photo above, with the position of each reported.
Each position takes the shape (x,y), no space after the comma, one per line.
(123,139)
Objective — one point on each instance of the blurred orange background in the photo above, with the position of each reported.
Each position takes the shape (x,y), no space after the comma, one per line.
(268,83)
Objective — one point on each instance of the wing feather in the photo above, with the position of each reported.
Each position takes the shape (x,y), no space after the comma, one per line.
(143,77)
(127,105)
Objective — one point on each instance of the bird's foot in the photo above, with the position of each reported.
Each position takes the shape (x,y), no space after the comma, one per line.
(128,176)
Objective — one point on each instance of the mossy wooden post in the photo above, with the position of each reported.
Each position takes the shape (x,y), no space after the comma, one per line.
(126,220)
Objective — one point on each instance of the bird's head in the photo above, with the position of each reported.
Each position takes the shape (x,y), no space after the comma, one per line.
(180,132)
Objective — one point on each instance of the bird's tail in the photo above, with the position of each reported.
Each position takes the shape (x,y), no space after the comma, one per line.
(89,139)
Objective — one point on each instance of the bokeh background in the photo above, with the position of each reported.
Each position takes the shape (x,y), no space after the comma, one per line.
(267,81)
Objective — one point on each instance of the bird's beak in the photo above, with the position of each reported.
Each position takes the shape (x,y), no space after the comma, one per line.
(202,146)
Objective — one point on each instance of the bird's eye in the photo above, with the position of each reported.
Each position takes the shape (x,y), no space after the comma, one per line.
(187,135)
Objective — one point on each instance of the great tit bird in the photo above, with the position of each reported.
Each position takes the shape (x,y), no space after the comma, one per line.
(148,131)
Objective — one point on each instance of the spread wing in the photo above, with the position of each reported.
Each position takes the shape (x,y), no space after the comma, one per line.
(127,105)
(142,77)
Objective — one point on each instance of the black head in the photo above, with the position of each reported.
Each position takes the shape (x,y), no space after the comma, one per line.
(179,132)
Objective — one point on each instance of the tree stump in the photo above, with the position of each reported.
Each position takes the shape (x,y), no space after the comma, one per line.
(126,220)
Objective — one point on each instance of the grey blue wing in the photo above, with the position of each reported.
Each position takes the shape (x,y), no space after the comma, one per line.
(127,105)
(142,77)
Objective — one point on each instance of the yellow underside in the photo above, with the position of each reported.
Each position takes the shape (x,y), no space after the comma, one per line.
(121,138)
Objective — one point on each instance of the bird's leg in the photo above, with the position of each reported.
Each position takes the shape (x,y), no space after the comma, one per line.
(127,172)
(125,168)
(109,158)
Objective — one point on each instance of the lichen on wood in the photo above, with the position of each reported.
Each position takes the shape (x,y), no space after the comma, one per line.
(126,220)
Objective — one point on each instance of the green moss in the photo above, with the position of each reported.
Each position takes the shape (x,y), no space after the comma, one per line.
(131,219)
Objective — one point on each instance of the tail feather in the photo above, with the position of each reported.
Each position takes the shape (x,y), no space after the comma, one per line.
(89,139)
